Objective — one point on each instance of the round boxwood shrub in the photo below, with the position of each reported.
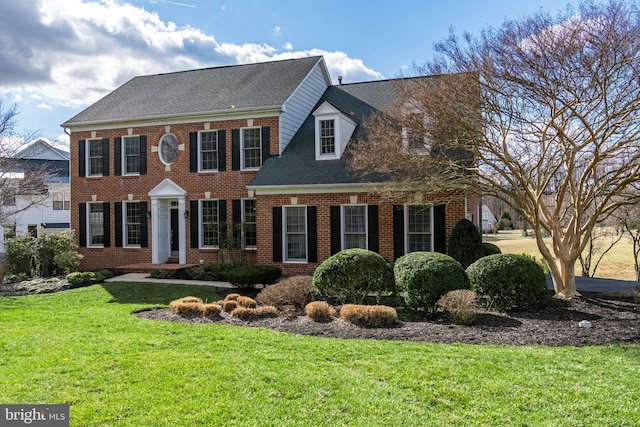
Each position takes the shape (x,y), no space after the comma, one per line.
(508,281)
(465,243)
(352,274)
(490,249)
(426,276)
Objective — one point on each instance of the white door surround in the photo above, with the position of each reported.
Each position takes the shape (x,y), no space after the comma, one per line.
(161,196)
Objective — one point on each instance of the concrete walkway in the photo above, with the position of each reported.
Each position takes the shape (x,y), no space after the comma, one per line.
(584,284)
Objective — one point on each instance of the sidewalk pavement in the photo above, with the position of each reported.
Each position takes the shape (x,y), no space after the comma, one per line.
(584,284)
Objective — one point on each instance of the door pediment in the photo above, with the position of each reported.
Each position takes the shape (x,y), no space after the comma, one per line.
(167,189)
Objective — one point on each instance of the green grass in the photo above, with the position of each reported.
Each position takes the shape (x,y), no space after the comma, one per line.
(83,347)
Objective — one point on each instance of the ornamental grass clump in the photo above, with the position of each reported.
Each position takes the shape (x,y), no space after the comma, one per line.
(320,311)
(352,274)
(296,291)
(460,305)
(232,297)
(245,313)
(211,310)
(369,315)
(229,306)
(246,302)
(187,307)
(426,276)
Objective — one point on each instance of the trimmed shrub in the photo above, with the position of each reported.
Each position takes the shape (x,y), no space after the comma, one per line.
(369,315)
(81,278)
(19,252)
(426,276)
(47,246)
(68,261)
(245,313)
(213,271)
(246,302)
(251,275)
(465,243)
(460,305)
(159,273)
(211,310)
(352,274)
(490,249)
(319,311)
(296,291)
(508,281)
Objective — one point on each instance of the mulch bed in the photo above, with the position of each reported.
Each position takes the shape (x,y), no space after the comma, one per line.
(614,320)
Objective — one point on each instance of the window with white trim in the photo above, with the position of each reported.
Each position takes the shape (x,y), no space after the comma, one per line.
(251,147)
(327,137)
(354,226)
(61,201)
(295,233)
(419,228)
(132,226)
(95,157)
(131,155)
(209,224)
(208,151)
(249,224)
(95,224)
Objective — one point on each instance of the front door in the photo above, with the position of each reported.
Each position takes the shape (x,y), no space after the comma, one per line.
(175,232)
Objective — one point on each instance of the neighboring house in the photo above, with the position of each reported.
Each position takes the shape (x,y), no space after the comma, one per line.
(488,219)
(49,208)
(171,167)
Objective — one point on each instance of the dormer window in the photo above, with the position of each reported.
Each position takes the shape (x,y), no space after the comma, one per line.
(327,137)
(333,130)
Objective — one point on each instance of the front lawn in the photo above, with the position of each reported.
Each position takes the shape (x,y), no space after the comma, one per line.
(82,347)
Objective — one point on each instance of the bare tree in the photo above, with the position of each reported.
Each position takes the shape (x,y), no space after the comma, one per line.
(550,109)
(22,183)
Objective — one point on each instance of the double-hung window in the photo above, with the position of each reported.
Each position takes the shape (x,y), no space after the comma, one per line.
(133,227)
(209,224)
(249,236)
(61,201)
(95,219)
(295,235)
(95,156)
(131,155)
(251,148)
(327,137)
(354,226)
(208,150)
(418,228)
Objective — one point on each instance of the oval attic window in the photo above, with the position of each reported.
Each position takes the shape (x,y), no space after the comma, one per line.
(168,148)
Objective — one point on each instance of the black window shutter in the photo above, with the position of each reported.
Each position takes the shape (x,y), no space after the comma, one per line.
(312,234)
(117,156)
(117,206)
(222,150)
(82,227)
(372,218)
(235,149)
(336,237)
(265,138)
(277,234)
(194,217)
(440,229)
(236,217)
(143,154)
(144,225)
(222,220)
(106,230)
(105,157)
(398,231)
(193,151)
(82,158)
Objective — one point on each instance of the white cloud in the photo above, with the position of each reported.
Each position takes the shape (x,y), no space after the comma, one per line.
(45,106)
(76,51)
(277,29)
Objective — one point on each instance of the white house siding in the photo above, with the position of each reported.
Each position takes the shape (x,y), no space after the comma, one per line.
(299,105)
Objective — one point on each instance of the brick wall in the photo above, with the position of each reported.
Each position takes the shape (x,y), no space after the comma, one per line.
(225,185)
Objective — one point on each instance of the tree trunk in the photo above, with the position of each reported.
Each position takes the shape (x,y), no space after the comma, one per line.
(564,280)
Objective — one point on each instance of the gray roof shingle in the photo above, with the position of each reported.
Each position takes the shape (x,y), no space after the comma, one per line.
(205,91)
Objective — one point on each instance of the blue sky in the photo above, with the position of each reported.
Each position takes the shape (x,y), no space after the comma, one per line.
(59,56)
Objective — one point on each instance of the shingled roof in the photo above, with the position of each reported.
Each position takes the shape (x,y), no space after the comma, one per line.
(297,164)
(250,87)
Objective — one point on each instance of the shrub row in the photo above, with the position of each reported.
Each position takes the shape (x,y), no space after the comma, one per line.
(49,254)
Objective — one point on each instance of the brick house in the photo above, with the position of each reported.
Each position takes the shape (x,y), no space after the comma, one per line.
(171,167)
